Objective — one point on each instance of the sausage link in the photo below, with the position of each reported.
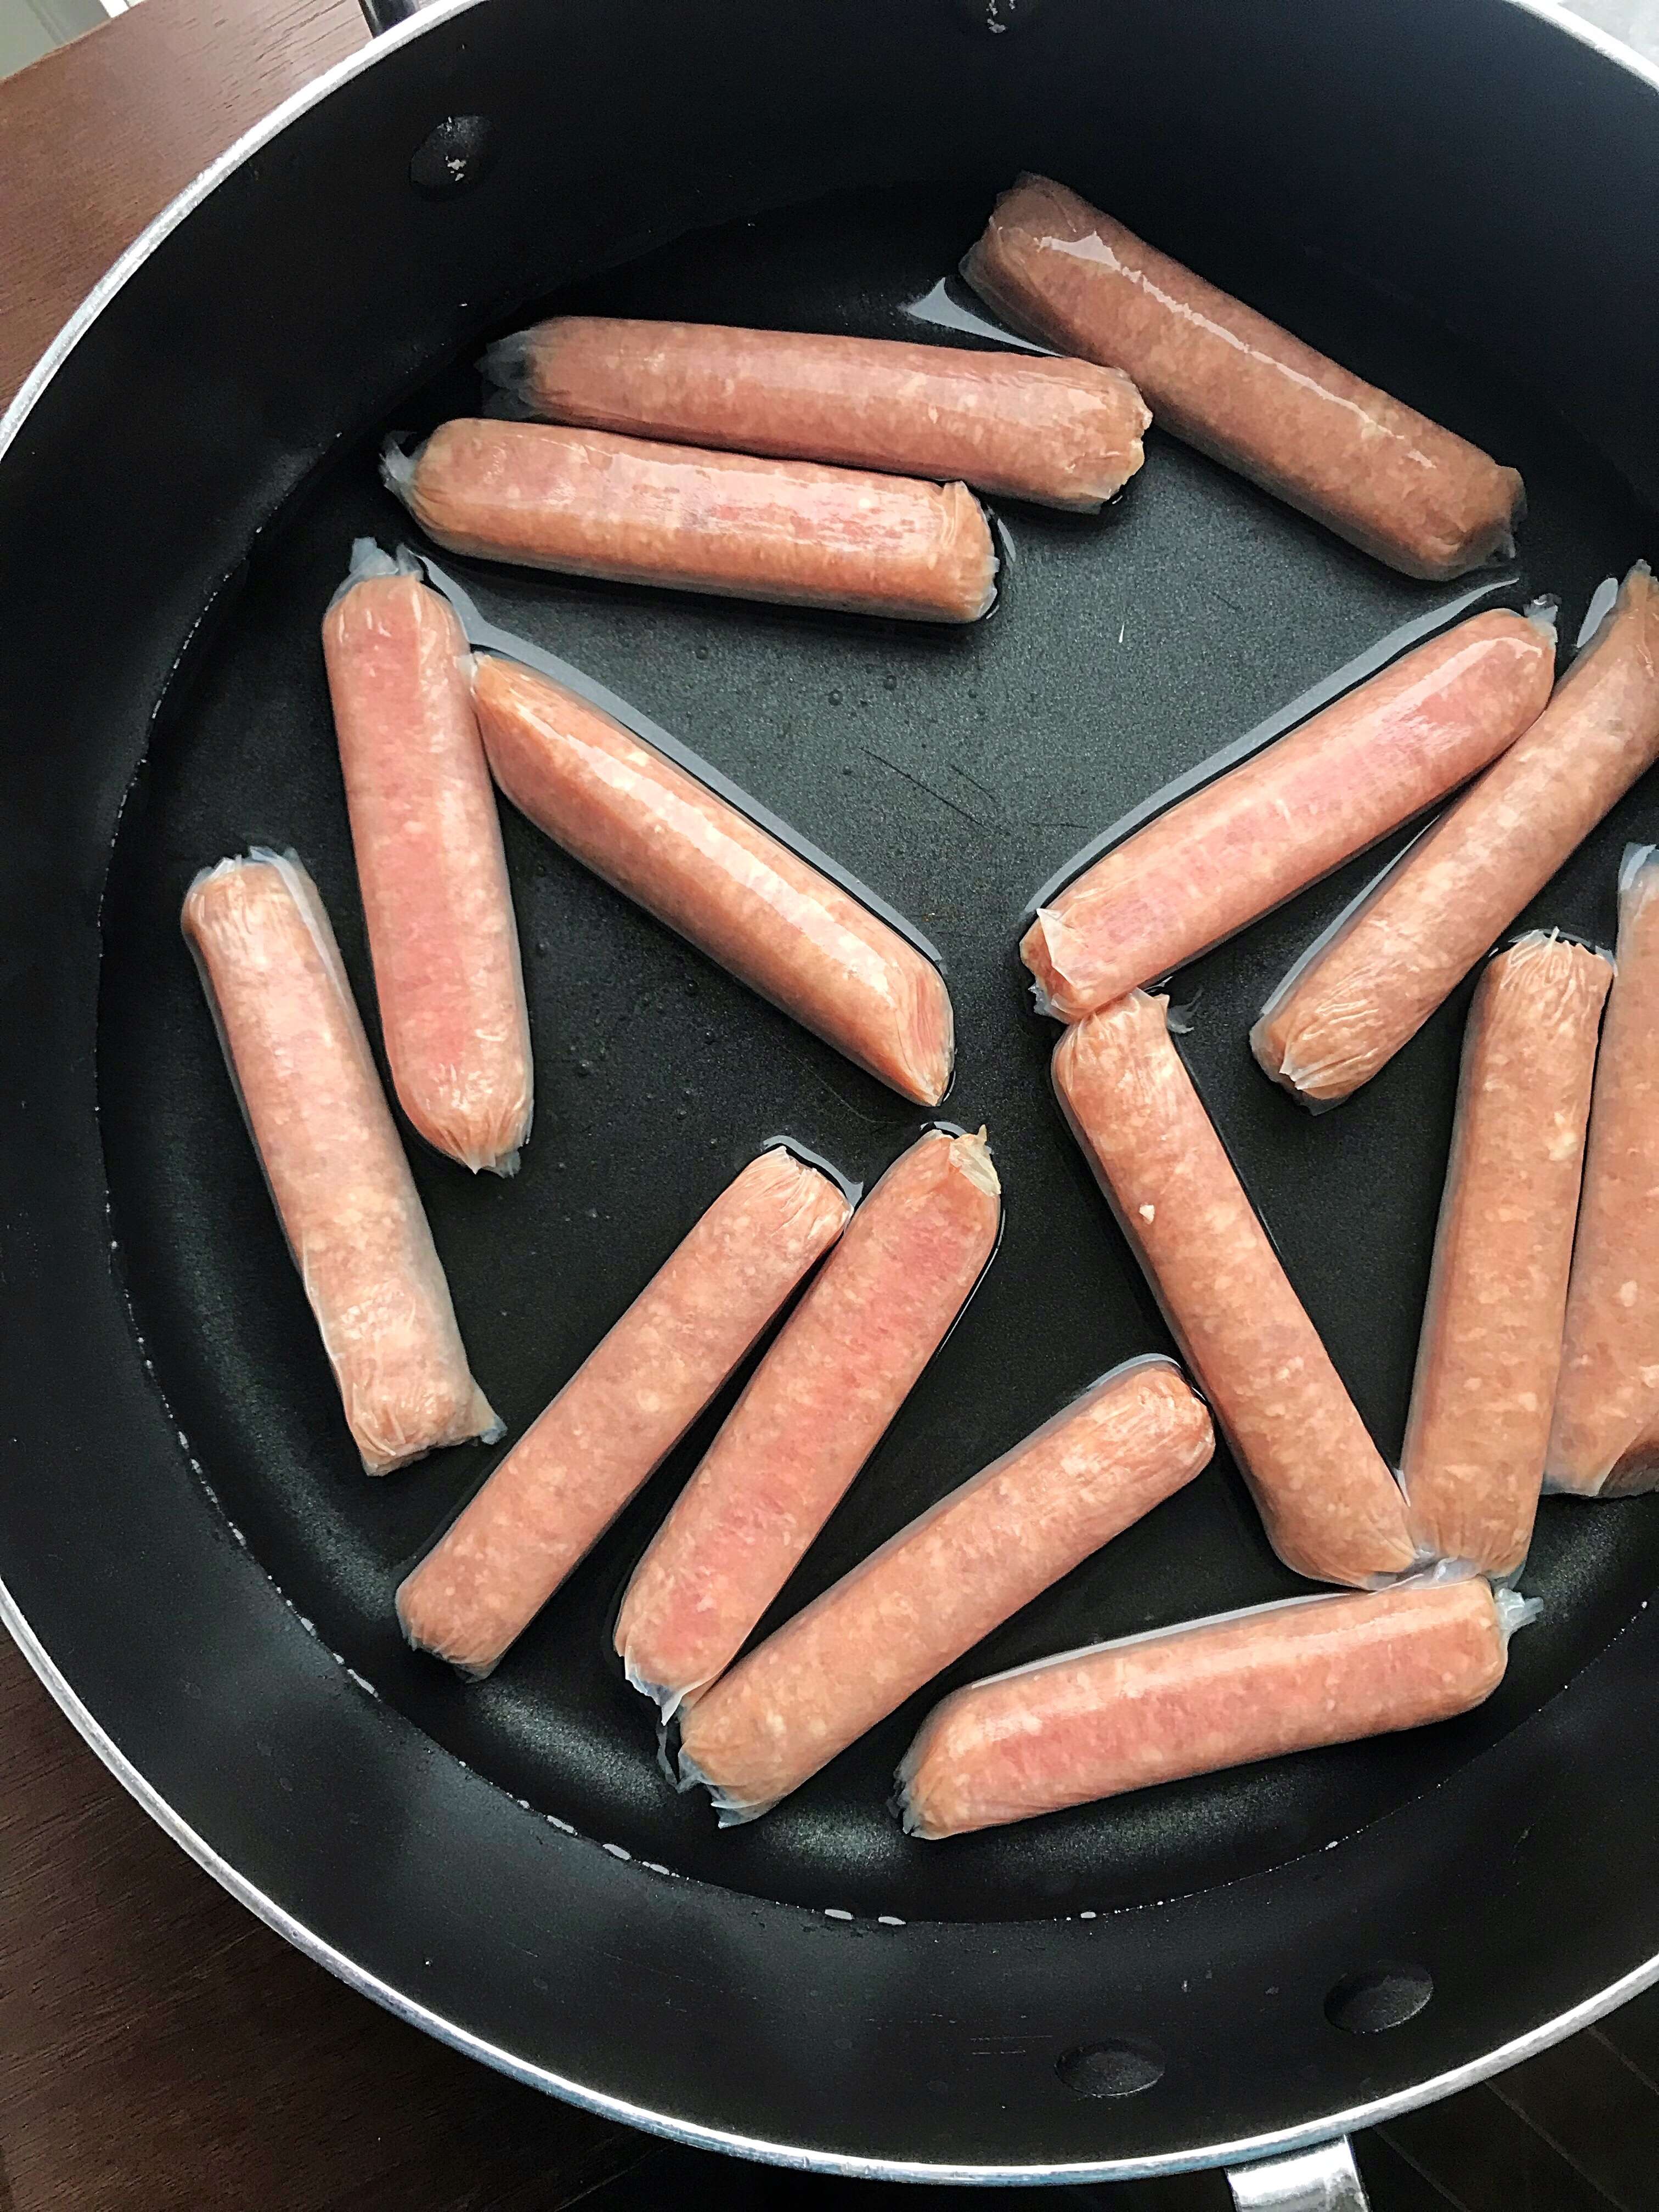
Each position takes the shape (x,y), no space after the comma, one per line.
(942,1584)
(1242,390)
(1357,998)
(1192,1701)
(1301,807)
(1332,1509)
(692,860)
(621,1414)
(1064,433)
(431,867)
(1605,1439)
(1492,1330)
(811,1415)
(325,1138)
(589,504)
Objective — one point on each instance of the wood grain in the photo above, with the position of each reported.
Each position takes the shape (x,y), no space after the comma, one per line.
(162,2051)
(97,138)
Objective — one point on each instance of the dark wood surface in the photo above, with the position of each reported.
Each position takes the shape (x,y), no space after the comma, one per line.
(160,2050)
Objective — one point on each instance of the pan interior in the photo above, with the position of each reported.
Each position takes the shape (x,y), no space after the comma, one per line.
(954,773)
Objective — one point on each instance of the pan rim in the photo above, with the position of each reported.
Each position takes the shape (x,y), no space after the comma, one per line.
(305,1939)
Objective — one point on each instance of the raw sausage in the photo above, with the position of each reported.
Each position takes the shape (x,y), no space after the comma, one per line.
(692,860)
(1064,433)
(589,504)
(325,1138)
(1605,1440)
(941,1585)
(811,1415)
(1492,1330)
(1195,1699)
(1242,390)
(430,864)
(1332,1509)
(1357,996)
(621,1414)
(1260,834)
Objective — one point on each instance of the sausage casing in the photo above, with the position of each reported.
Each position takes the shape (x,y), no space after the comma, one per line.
(811,1415)
(1331,1508)
(430,865)
(1064,433)
(590,504)
(1192,1701)
(854,1655)
(1242,390)
(621,1414)
(1302,806)
(1359,996)
(1604,1441)
(337,1171)
(1491,1344)
(689,857)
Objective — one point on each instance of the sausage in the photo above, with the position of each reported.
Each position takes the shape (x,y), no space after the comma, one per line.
(1064,433)
(589,504)
(430,865)
(1242,390)
(621,1414)
(1604,1441)
(1213,1694)
(1332,1509)
(691,858)
(1360,995)
(931,1593)
(326,1141)
(810,1416)
(1299,808)
(1492,1330)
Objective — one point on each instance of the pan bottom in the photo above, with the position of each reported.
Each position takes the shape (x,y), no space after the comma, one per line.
(953,773)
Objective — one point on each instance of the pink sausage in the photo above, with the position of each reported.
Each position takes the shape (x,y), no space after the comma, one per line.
(1064,433)
(1268,828)
(1242,390)
(941,1585)
(430,865)
(621,1414)
(1492,1330)
(1605,1440)
(1332,1509)
(1356,1000)
(325,1138)
(810,1416)
(693,860)
(1192,1701)
(589,504)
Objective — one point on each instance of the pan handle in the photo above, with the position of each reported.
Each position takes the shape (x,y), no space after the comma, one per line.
(1324,2180)
(385,14)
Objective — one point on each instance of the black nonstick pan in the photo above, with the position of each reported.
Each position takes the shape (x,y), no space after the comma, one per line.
(1458,201)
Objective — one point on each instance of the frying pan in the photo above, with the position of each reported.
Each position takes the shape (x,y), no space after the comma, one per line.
(1455,201)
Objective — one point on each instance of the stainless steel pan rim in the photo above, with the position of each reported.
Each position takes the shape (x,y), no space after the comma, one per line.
(1327,2130)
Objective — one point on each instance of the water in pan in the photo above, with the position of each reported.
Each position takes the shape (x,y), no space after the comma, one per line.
(952,772)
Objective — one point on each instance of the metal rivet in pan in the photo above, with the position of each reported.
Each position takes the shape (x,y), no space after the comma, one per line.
(1118,2069)
(454,155)
(1374,1998)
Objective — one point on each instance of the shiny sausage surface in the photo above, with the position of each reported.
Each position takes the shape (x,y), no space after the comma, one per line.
(332,1159)
(632,512)
(1242,390)
(856,1653)
(1064,433)
(1332,1509)
(1355,1000)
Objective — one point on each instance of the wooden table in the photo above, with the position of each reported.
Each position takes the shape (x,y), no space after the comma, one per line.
(162,2051)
